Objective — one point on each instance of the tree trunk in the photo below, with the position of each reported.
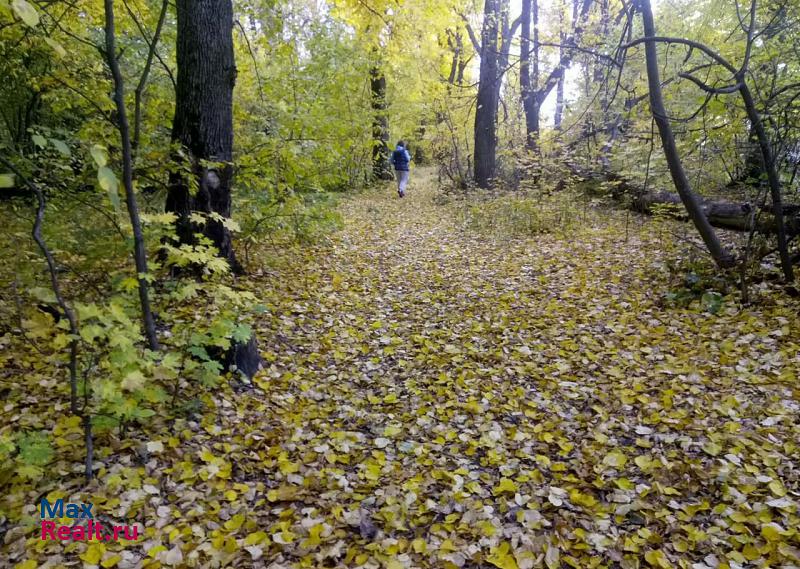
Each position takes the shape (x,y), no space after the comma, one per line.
(203,123)
(457,48)
(690,200)
(139,251)
(558,117)
(203,126)
(380,126)
(772,177)
(529,71)
(488,97)
(139,92)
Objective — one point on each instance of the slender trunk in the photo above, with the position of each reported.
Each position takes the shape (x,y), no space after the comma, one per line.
(88,439)
(488,98)
(529,71)
(456,46)
(139,251)
(559,112)
(601,79)
(380,125)
(462,66)
(562,56)
(139,93)
(679,178)
(203,123)
(66,309)
(772,178)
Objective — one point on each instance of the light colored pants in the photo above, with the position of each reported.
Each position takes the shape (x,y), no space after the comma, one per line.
(402,180)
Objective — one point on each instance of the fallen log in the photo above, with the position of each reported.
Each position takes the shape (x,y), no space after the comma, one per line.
(725,215)
(734,216)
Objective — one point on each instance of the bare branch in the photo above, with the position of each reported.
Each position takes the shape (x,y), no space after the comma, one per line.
(708,89)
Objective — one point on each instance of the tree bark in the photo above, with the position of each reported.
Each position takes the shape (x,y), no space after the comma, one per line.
(380,125)
(203,123)
(529,71)
(772,177)
(733,216)
(139,251)
(559,112)
(488,97)
(690,200)
(721,214)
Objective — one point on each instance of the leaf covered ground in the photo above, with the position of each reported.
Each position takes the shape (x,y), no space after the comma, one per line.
(439,397)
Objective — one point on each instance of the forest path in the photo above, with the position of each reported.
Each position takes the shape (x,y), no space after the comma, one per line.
(434,395)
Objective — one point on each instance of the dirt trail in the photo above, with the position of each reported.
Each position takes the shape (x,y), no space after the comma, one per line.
(437,397)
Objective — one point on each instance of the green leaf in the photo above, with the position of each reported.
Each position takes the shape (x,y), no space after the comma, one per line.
(61,146)
(242,333)
(7,181)
(711,301)
(39,140)
(34,449)
(26,12)
(108,181)
(57,47)
(99,155)
(42,294)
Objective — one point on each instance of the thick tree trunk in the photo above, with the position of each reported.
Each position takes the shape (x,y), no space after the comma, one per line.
(203,126)
(690,200)
(380,126)
(203,123)
(488,97)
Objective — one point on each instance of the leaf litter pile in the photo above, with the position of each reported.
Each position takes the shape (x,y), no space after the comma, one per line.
(435,397)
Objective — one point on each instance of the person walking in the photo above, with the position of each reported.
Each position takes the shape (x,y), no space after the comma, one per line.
(400,160)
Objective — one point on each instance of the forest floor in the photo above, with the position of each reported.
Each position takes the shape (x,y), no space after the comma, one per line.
(440,397)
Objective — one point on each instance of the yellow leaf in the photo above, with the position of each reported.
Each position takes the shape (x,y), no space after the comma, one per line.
(656,558)
(777,488)
(506,485)
(93,554)
(256,538)
(624,484)
(447,545)
(419,545)
(373,472)
(282,493)
(772,532)
(615,459)
(391,431)
(235,522)
(502,557)
(111,561)
(153,552)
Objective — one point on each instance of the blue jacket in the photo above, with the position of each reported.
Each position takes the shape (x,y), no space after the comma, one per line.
(400,159)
